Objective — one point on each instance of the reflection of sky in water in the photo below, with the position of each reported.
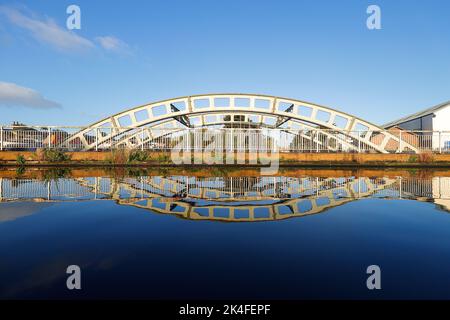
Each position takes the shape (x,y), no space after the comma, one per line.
(129,252)
(129,242)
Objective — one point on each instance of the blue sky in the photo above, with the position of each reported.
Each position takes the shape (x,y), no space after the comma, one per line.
(128,53)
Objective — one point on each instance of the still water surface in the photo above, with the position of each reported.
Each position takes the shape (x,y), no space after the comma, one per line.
(184,236)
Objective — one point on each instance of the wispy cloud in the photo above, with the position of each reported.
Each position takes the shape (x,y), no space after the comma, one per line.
(13,95)
(46,30)
(111,43)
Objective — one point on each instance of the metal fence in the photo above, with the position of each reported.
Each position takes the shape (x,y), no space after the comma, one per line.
(226,139)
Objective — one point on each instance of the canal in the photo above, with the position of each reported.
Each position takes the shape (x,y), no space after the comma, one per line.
(232,234)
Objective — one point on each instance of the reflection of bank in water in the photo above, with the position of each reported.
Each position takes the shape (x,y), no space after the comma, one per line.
(227,198)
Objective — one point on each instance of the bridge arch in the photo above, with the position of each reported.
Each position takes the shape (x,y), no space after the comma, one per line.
(134,126)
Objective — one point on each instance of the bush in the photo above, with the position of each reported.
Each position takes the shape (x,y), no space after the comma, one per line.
(55,155)
(20,160)
(138,156)
(20,171)
(118,156)
(412,159)
(56,173)
(163,158)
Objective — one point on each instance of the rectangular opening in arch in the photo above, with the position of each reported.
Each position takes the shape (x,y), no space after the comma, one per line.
(294,125)
(262,103)
(221,102)
(201,103)
(141,115)
(253,118)
(284,106)
(241,213)
(361,130)
(323,116)
(195,121)
(210,119)
(203,212)
(179,106)
(241,102)
(105,129)
(270,121)
(221,212)
(304,111)
(261,213)
(159,111)
(340,122)
(125,121)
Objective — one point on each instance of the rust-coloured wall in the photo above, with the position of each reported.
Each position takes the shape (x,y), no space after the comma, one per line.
(285,158)
(74,156)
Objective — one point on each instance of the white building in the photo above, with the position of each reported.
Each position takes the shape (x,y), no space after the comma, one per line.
(434,121)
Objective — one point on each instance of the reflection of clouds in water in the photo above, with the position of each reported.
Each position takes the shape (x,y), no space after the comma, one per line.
(12,211)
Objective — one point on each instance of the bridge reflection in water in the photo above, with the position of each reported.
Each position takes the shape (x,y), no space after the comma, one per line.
(237,199)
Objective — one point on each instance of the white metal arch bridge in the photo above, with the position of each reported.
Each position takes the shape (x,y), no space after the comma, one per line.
(309,123)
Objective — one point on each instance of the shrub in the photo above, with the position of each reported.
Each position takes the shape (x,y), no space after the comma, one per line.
(56,173)
(118,156)
(136,172)
(20,160)
(412,159)
(55,155)
(138,156)
(163,158)
(20,171)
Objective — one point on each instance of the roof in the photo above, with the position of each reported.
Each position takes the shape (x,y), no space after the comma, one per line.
(417,115)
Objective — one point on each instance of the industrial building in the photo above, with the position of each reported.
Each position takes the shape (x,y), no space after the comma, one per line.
(434,122)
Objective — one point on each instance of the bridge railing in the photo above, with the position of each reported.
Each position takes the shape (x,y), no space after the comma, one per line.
(32,138)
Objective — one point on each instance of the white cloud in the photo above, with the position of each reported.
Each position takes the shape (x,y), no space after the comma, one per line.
(13,95)
(111,43)
(47,30)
